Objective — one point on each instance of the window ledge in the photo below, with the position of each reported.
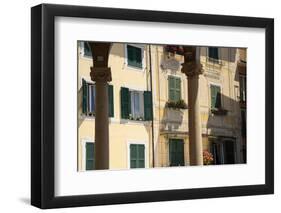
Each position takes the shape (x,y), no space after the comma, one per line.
(138,69)
(128,121)
(219,111)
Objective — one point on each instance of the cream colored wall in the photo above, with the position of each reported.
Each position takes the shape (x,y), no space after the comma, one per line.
(121,132)
(228,125)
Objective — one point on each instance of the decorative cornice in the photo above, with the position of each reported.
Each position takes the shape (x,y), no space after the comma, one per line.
(101,74)
(191,69)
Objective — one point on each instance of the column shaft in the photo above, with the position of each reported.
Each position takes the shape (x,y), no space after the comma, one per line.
(101,127)
(194,122)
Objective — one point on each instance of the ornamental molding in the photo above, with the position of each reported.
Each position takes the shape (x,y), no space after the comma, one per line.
(192,69)
(101,74)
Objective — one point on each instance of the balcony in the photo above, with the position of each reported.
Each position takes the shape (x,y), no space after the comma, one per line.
(175,120)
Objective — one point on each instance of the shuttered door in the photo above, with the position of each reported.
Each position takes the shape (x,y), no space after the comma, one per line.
(176,152)
(90,156)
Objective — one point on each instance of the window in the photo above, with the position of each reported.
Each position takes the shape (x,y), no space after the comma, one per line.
(174,84)
(86,49)
(137,156)
(88,100)
(134,56)
(176,152)
(223,152)
(242,82)
(213,53)
(243,122)
(215,97)
(90,156)
(136,105)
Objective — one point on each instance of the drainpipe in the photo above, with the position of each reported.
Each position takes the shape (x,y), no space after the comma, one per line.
(152,114)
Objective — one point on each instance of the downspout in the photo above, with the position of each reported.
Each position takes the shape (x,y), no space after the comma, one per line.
(152,114)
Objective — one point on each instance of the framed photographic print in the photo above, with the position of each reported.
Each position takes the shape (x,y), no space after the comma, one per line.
(139,106)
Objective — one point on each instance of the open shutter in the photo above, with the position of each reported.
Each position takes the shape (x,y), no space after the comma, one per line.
(147,97)
(125,103)
(85,94)
(110,101)
(213,96)
(218,98)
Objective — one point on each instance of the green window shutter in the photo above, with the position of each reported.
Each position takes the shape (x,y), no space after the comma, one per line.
(134,56)
(125,103)
(218,99)
(137,156)
(215,96)
(213,52)
(85,94)
(147,97)
(174,84)
(87,49)
(133,156)
(177,89)
(138,57)
(141,158)
(176,152)
(171,85)
(110,101)
(90,156)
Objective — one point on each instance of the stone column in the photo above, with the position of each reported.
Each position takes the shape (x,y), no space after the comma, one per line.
(192,68)
(101,75)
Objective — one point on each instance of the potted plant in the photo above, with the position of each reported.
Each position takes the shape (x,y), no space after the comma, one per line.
(208,157)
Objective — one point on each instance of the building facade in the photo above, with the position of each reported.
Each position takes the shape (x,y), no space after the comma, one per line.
(148,106)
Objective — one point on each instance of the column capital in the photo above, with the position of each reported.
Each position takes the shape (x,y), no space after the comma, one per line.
(100,74)
(191,69)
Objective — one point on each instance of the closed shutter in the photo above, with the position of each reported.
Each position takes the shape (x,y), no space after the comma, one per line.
(85,94)
(171,85)
(90,156)
(147,96)
(134,56)
(125,103)
(174,84)
(137,156)
(176,152)
(110,101)
(213,52)
(177,89)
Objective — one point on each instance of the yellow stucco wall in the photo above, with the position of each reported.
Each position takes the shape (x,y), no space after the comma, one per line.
(122,132)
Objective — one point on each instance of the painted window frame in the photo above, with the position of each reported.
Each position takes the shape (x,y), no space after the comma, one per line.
(83,157)
(86,115)
(210,59)
(146,153)
(82,46)
(142,47)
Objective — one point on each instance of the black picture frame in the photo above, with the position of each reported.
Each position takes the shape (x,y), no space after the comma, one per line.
(43,110)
